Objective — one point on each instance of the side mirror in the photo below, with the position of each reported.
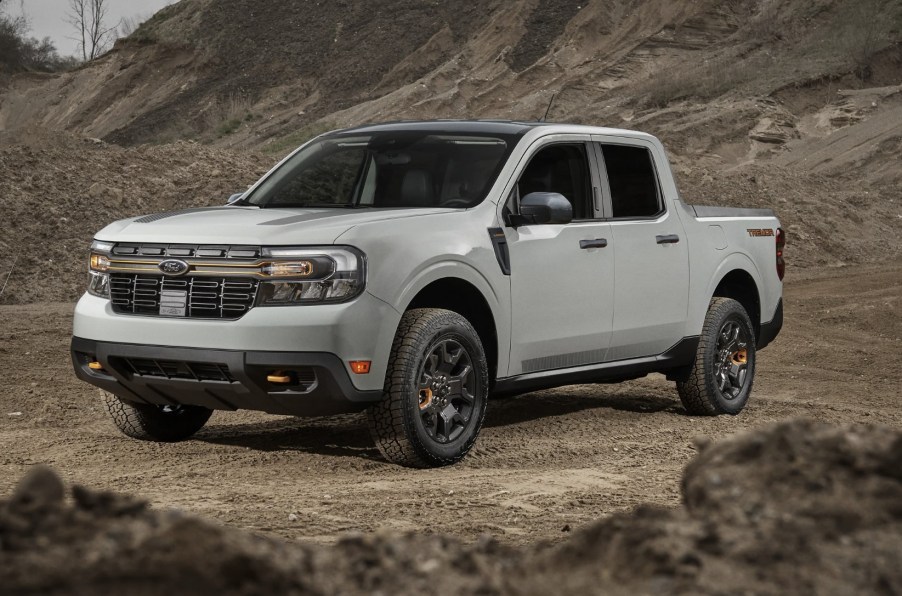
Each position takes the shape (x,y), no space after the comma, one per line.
(234,198)
(543,208)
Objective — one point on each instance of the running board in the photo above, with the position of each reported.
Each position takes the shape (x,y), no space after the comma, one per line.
(681,354)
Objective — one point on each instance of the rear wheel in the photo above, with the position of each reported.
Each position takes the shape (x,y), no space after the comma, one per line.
(435,391)
(155,423)
(720,379)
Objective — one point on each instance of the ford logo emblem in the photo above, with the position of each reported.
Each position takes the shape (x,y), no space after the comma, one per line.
(174,267)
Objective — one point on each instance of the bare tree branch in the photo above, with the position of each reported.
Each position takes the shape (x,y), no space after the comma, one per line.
(128,25)
(76,18)
(88,17)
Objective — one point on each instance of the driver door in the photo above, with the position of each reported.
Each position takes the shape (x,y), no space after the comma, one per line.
(562,275)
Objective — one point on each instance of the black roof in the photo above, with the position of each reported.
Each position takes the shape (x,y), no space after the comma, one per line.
(502,127)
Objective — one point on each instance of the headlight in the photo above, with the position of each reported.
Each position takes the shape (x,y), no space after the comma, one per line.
(99,263)
(99,284)
(98,266)
(319,275)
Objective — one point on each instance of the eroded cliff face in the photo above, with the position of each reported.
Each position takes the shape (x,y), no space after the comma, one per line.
(710,77)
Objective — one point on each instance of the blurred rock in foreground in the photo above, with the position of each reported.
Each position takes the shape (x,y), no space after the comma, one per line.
(800,507)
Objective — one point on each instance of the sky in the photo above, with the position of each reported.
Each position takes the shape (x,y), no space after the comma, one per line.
(48,17)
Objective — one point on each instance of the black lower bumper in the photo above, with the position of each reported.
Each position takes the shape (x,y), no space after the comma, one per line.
(770,330)
(221,379)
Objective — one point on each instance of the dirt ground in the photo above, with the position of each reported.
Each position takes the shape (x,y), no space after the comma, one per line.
(546,463)
(797,507)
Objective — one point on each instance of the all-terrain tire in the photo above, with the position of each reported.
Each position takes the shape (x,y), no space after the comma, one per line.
(716,383)
(155,423)
(402,423)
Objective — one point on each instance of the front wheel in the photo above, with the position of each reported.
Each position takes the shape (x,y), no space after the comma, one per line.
(720,378)
(155,423)
(435,391)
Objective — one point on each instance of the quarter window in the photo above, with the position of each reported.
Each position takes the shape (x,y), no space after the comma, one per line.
(633,182)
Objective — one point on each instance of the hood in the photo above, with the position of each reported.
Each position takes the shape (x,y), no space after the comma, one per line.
(250,225)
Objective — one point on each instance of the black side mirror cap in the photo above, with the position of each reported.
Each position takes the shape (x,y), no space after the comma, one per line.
(538,208)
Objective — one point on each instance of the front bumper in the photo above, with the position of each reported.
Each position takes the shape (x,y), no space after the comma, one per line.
(221,379)
(362,329)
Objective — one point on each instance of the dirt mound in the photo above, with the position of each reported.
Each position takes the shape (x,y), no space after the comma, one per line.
(57,190)
(801,507)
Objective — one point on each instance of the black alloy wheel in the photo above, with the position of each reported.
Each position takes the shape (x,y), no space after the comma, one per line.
(435,394)
(446,391)
(732,366)
(719,380)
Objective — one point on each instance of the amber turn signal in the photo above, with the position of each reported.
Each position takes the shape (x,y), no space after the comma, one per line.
(95,365)
(360,367)
(100,262)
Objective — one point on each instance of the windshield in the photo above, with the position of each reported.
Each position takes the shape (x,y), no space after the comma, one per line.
(387,169)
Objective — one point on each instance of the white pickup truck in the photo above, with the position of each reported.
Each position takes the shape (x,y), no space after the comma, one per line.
(415,269)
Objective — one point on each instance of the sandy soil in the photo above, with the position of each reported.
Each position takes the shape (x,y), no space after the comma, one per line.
(545,463)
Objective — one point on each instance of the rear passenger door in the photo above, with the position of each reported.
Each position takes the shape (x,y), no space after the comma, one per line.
(650,250)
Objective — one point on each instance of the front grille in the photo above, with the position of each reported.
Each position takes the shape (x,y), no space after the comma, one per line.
(175,369)
(205,297)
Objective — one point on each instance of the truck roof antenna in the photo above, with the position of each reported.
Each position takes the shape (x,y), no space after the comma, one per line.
(550,103)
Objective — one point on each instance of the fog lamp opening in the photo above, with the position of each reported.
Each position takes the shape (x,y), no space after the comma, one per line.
(279,377)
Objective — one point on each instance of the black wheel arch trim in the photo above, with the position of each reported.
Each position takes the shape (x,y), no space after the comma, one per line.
(771,329)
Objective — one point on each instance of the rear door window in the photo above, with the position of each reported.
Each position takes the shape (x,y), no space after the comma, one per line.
(635,192)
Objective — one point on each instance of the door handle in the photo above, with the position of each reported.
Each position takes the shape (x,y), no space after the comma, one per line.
(597,243)
(667,239)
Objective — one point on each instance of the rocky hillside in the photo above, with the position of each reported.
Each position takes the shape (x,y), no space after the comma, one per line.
(729,81)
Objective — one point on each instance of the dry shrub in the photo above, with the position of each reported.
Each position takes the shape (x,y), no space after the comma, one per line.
(224,115)
(19,51)
(707,80)
(869,28)
(755,20)
(772,39)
